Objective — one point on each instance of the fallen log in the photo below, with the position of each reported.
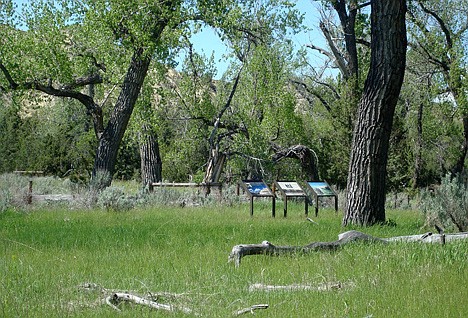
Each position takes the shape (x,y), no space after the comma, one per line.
(116,297)
(267,248)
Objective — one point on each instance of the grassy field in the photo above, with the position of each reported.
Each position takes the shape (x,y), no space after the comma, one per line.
(45,256)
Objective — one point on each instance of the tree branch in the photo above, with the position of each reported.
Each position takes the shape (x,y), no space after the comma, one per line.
(217,121)
(321,51)
(67,91)
(443,26)
(330,87)
(300,86)
(11,82)
(338,56)
(250,309)
(364,42)
(83,81)
(363,5)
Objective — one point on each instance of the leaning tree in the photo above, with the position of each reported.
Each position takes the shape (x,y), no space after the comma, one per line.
(60,50)
(365,203)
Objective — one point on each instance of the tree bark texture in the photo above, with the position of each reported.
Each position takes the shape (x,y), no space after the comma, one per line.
(109,143)
(215,166)
(369,153)
(151,164)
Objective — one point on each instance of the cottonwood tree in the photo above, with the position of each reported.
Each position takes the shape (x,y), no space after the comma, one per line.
(144,128)
(266,106)
(344,25)
(221,118)
(366,188)
(65,48)
(438,31)
(426,143)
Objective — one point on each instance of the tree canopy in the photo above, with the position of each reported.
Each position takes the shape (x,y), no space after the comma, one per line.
(92,88)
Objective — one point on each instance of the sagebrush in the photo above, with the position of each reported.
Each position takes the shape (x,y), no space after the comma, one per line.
(447,204)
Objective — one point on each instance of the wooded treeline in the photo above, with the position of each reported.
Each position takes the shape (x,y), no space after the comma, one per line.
(71,75)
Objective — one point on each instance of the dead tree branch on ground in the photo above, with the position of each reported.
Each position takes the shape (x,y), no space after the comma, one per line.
(266,248)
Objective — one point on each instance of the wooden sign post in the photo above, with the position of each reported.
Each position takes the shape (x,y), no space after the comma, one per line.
(291,189)
(322,189)
(258,189)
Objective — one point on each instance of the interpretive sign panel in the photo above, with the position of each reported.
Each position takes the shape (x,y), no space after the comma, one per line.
(258,189)
(322,189)
(291,189)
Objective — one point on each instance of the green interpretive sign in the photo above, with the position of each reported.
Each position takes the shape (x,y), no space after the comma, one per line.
(321,189)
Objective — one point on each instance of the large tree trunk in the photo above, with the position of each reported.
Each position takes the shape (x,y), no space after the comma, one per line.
(215,166)
(109,143)
(151,164)
(369,153)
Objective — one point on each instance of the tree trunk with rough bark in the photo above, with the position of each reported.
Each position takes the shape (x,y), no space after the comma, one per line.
(369,153)
(215,166)
(109,142)
(151,164)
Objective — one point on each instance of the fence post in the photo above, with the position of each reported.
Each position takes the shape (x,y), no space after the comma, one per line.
(29,197)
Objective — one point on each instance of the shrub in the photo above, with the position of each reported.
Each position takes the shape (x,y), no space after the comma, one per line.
(13,191)
(115,199)
(447,204)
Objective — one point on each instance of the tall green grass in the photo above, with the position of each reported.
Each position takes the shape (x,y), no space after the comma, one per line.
(46,255)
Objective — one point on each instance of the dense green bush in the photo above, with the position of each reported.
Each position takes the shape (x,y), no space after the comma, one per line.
(447,204)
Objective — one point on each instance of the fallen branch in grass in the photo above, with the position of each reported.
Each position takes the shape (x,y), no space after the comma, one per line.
(266,248)
(250,309)
(151,295)
(115,298)
(299,287)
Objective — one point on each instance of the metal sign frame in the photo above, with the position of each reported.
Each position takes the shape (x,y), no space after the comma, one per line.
(291,189)
(258,189)
(321,189)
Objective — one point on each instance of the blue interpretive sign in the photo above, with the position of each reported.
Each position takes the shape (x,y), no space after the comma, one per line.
(257,189)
